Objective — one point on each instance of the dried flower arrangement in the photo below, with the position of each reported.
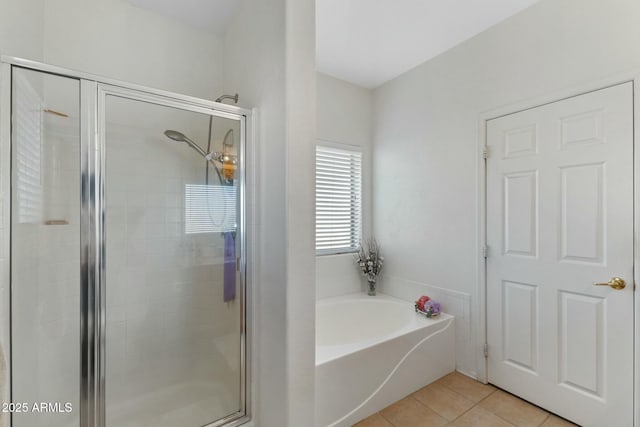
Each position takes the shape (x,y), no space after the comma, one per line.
(370,262)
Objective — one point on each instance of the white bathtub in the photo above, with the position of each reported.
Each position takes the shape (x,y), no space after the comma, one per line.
(373,351)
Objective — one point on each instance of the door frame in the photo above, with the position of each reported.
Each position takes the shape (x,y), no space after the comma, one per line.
(480,305)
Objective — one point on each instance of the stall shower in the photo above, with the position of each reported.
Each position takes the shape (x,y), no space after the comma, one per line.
(127,258)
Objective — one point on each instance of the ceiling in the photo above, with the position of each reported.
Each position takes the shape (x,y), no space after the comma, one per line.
(370,42)
(209,15)
(366,42)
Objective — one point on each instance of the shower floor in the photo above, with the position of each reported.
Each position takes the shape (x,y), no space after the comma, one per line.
(187,405)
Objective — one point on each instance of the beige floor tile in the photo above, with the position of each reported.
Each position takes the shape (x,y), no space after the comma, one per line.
(514,410)
(478,417)
(374,420)
(467,387)
(554,421)
(444,401)
(408,412)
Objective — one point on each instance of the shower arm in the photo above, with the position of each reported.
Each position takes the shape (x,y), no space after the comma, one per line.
(223,97)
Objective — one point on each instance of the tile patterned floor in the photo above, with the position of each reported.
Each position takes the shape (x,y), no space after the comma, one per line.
(459,401)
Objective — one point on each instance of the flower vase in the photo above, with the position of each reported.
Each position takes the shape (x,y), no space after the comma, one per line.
(372,287)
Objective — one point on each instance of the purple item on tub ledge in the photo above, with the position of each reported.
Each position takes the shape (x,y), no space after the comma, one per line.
(432,307)
(229,285)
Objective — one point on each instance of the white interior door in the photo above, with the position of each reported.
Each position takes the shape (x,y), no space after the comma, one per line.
(559,218)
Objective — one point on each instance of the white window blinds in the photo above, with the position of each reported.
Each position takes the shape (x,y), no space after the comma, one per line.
(209,208)
(338,200)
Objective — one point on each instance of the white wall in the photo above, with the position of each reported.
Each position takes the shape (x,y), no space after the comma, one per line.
(22,28)
(426,129)
(269,61)
(254,67)
(301,262)
(344,115)
(115,39)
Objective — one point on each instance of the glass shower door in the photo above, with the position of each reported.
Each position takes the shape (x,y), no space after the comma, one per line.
(174,338)
(45,250)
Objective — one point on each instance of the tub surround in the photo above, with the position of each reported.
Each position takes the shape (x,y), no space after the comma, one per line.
(455,303)
(373,351)
(337,275)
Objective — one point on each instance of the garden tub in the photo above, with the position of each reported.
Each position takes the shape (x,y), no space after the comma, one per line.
(373,351)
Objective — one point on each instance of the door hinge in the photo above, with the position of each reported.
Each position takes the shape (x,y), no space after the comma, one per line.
(485,153)
(486,350)
(237,263)
(485,251)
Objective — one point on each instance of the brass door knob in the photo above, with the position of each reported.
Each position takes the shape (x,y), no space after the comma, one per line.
(616,283)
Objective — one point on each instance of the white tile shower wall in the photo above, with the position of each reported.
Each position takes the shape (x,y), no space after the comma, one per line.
(167,323)
(453,302)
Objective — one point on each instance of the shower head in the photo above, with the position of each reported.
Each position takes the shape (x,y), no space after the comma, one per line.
(175,135)
(228,161)
(181,137)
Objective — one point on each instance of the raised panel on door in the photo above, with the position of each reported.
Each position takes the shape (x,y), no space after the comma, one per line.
(521,213)
(582,218)
(520,325)
(560,208)
(520,142)
(582,333)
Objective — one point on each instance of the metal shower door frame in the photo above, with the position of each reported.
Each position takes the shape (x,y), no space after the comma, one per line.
(93,94)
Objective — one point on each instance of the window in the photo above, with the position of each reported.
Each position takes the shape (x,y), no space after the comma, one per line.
(338,200)
(209,208)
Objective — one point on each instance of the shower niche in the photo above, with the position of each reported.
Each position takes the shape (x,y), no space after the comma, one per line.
(126,216)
